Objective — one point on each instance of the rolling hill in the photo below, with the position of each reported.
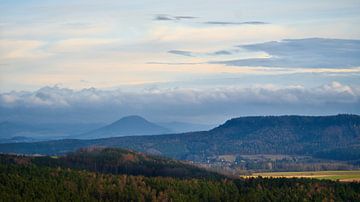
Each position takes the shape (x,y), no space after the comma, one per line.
(115,161)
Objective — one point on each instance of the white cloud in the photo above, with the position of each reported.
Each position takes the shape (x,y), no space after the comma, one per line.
(202,105)
(8,99)
(268,94)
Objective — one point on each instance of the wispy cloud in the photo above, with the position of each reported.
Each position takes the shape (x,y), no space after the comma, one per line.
(221,52)
(236,23)
(180,52)
(174,63)
(303,53)
(184,17)
(193,54)
(165,17)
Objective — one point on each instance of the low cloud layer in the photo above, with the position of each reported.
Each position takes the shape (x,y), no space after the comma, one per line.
(177,104)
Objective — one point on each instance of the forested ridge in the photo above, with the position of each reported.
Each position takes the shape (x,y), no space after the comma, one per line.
(25,179)
(316,136)
(115,161)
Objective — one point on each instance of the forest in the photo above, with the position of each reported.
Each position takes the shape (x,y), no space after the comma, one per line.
(71,178)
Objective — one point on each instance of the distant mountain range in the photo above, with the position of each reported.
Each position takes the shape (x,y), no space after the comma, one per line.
(330,137)
(42,131)
(17,139)
(126,126)
(11,131)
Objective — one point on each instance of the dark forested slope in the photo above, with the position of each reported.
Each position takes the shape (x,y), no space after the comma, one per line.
(26,179)
(115,161)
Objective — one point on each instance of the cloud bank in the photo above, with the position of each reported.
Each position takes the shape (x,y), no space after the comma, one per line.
(180,104)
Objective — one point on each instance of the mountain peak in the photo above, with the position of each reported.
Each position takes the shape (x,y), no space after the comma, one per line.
(132,118)
(128,126)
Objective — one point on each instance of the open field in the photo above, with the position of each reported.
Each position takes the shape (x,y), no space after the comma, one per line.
(344,176)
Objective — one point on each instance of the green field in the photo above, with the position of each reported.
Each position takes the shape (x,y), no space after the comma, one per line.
(345,176)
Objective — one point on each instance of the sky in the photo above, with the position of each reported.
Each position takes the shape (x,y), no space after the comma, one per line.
(192,61)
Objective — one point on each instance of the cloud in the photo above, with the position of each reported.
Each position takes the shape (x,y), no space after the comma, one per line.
(174,63)
(179,103)
(193,54)
(184,17)
(209,38)
(303,53)
(222,52)
(165,17)
(180,52)
(236,23)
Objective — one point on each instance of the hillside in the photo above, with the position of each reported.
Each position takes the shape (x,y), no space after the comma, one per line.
(117,161)
(31,179)
(126,126)
(304,135)
(286,135)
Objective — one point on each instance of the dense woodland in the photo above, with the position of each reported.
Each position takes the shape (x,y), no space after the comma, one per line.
(118,161)
(32,179)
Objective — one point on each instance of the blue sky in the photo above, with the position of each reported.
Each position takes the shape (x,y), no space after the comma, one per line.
(281,53)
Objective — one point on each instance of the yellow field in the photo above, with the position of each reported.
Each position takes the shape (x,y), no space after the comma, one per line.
(345,176)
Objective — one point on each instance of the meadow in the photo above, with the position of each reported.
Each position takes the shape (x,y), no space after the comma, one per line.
(344,176)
